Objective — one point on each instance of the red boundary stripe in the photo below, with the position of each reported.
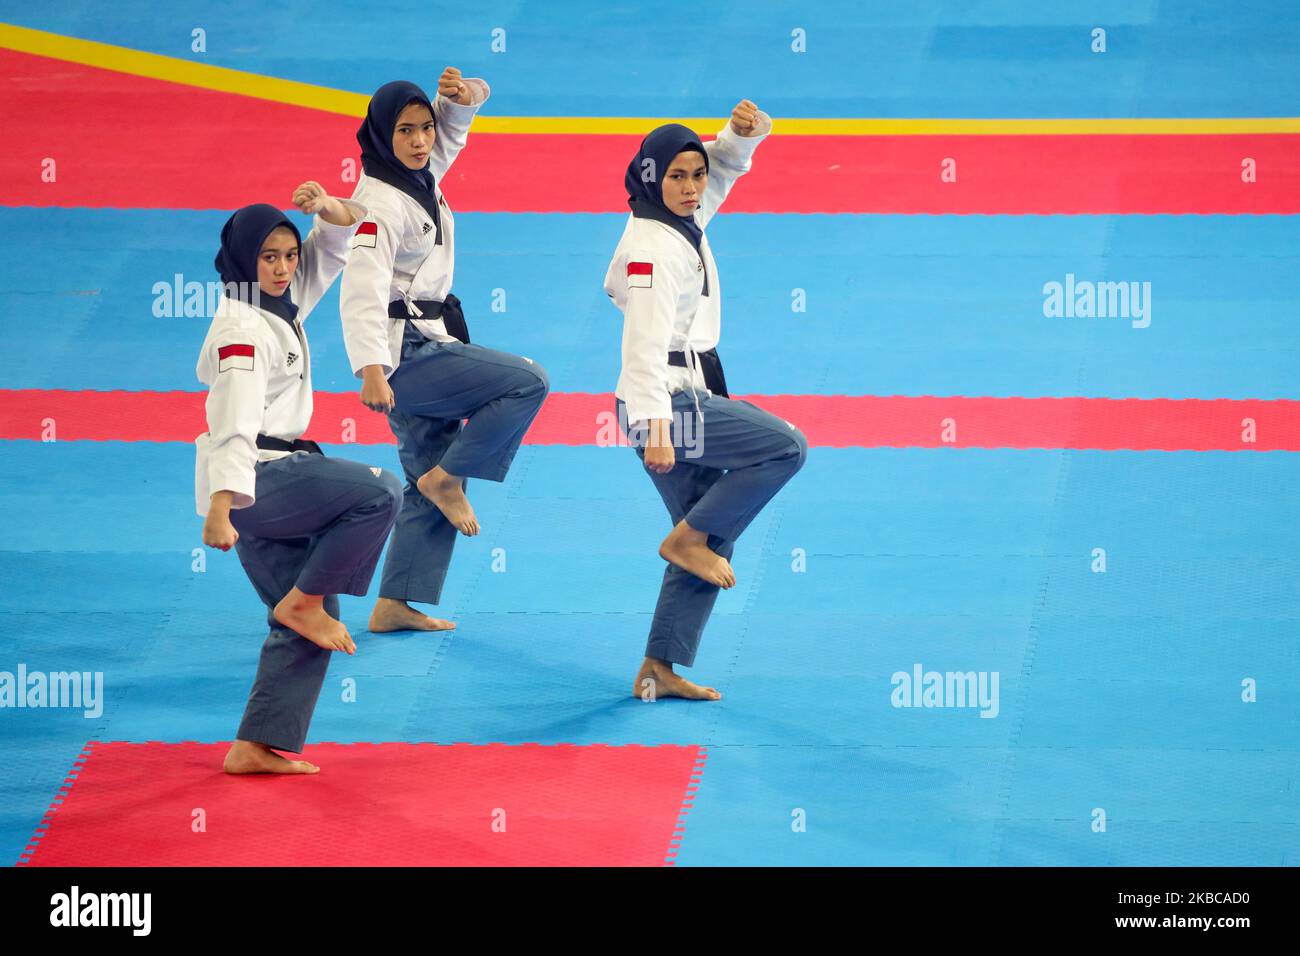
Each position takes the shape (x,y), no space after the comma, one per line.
(128,117)
(133,804)
(579,418)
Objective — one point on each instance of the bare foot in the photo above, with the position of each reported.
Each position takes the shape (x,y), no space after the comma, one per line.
(244,756)
(448,496)
(305,614)
(689,550)
(656,679)
(391,615)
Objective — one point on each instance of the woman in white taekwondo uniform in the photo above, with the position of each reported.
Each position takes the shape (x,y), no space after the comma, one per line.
(407,340)
(671,393)
(306,527)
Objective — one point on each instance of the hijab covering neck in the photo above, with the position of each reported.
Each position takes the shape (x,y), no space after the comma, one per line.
(241,243)
(377,156)
(644,180)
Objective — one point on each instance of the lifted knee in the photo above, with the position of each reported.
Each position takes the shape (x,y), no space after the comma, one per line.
(801,446)
(392,489)
(543,379)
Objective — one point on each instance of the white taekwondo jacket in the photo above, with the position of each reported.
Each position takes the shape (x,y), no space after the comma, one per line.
(656,280)
(257,368)
(394,254)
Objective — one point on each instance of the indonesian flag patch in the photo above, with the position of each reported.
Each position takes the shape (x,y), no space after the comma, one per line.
(235,356)
(366,235)
(640,275)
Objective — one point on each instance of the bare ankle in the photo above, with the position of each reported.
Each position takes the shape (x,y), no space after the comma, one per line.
(439,477)
(302,601)
(684,535)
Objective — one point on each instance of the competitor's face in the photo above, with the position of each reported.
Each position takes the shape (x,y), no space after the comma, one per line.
(684,182)
(413,136)
(276,261)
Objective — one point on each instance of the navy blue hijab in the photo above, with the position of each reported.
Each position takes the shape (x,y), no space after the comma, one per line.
(647,198)
(241,243)
(376,139)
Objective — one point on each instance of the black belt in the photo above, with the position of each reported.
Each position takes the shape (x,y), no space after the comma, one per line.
(267,443)
(710,365)
(449,310)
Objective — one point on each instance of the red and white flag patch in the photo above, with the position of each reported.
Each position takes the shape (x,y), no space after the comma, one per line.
(367,235)
(235,356)
(640,275)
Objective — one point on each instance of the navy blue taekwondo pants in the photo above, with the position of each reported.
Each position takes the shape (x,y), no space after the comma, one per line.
(436,387)
(728,467)
(318,523)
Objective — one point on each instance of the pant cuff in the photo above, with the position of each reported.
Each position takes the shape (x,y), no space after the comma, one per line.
(274,741)
(711,526)
(333,584)
(416,594)
(486,472)
(671,652)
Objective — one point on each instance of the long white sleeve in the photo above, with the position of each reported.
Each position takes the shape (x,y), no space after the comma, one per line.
(235,407)
(322,257)
(452,124)
(729,158)
(647,331)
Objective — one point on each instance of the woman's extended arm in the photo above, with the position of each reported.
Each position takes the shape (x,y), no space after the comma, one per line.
(325,250)
(730,153)
(454,107)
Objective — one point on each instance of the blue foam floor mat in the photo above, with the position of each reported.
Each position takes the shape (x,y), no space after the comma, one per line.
(880,292)
(1001,58)
(870,563)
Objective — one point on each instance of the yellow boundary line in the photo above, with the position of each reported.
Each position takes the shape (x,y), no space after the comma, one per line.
(205,76)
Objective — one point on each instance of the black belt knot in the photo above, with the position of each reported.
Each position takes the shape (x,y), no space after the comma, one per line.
(448,310)
(710,365)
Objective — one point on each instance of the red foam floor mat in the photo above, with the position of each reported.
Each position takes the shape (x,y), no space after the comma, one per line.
(150,136)
(390,804)
(868,421)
